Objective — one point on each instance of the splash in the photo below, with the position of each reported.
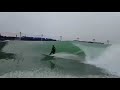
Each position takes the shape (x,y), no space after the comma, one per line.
(106,57)
(66,56)
(110,60)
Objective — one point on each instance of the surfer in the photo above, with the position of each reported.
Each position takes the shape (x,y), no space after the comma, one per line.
(53,50)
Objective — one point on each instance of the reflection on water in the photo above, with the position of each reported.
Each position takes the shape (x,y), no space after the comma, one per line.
(52,65)
(72,67)
(50,60)
(4,55)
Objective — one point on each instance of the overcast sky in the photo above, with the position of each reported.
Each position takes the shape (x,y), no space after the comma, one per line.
(86,25)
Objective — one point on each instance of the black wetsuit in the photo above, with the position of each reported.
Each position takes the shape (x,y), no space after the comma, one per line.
(53,50)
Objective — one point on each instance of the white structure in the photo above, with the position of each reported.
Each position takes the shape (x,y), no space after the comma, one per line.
(60,38)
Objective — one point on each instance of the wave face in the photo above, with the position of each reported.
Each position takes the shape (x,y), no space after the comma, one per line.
(72,59)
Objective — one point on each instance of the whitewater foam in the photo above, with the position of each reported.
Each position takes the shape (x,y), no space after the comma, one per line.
(46,74)
(110,60)
(36,74)
(67,56)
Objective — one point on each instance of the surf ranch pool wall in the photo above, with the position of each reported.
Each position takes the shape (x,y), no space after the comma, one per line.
(2,38)
(36,39)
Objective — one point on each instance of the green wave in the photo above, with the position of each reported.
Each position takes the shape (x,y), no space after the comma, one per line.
(28,56)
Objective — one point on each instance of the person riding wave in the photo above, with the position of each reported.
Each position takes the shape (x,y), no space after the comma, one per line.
(53,50)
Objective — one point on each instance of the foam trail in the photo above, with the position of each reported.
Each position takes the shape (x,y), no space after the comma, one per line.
(66,56)
(45,74)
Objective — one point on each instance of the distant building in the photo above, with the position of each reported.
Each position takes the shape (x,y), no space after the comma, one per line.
(25,38)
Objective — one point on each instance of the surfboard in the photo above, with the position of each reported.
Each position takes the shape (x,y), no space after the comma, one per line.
(47,55)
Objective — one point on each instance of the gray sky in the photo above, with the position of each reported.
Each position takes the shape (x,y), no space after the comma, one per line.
(85,25)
